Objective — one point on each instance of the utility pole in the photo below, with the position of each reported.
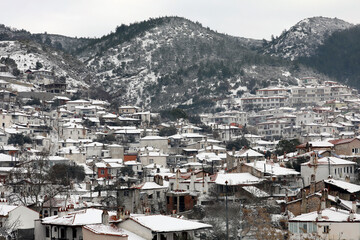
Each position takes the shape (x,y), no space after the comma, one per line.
(240,227)
(226,207)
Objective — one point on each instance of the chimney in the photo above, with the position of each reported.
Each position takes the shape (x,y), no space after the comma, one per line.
(88,186)
(312,161)
(322,204)
(347,178)
(303,201)
(147,211)
(354,207)
(325,196)
(3,202)
(161,181)
(70,208)
(319,215)
(177,179)
(206,183)
(325,193)
(192,182)
(173,213)
(105,217)
(119,213)
(238,166)
(126,215)
(351,215)
(312,184)
(61,212)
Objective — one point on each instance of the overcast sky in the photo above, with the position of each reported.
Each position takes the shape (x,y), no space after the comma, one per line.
(244,18)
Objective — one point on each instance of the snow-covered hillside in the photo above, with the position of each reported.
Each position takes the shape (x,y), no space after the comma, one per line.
(180,62)
(303,38)
(27,54)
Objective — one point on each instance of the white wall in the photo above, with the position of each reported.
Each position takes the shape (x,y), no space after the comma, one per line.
(23,217)
(321,172)
(134,227)
(341,230)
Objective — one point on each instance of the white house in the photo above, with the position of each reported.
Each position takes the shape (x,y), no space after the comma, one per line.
(70,105)
(18,220)
(73,131)
(329,223)
(68,224)
(158,158)
(322,168)
(162,227)
(155,142)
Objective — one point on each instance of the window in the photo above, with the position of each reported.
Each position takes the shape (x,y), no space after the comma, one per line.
(47,231)
(74,233)
(102,171)
(326,229)
(157,194)
(126,193)
(304,227)
(62,233)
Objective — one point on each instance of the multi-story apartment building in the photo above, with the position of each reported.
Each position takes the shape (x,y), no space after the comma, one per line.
(303,95)
(257,102)
(272,129)
(272,91)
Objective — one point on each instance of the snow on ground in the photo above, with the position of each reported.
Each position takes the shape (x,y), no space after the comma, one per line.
(20,88)
(286,73)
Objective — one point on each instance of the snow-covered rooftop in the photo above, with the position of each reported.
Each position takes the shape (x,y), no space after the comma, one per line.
(236,179)
(161,223)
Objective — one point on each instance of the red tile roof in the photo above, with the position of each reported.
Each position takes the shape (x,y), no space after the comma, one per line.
(342,141)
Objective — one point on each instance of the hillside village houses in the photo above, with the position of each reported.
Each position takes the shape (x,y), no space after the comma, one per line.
(126,172)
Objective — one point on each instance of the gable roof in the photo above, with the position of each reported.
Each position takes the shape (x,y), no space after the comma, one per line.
(77,218)
(5,209)
(330,160)
(342,141)
(236,179)
(318,144)
(349,187)
(162,223)
(328,215)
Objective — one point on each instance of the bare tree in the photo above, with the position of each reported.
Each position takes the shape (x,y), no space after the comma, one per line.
(31,183)
(8,229)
